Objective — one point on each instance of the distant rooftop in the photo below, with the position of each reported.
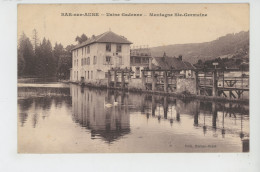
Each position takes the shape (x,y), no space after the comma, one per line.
(173,63)
(107,37)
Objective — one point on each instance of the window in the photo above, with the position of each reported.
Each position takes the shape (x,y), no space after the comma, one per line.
(88,60)
(88,51)
(81,62)
(118,47)
(85,74)
(145,60)
(108,59)
(137,60)
(95,60)
(137,72)
(131,60)
(88,74)
(91,74)
(108,47)
(77,52)
(82,51)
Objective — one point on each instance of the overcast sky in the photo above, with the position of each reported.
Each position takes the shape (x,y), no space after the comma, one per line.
(221,19)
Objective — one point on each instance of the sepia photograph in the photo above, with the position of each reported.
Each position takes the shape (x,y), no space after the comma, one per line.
(133,78)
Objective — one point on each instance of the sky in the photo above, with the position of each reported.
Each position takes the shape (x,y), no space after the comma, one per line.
(148,30)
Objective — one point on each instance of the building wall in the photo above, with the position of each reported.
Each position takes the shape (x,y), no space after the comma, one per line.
(94,72)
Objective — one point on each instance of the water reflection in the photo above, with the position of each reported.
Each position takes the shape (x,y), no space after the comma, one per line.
(111,123)
(116,118)
(90,110)
(38,101)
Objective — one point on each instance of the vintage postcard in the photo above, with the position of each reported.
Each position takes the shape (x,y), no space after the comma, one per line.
(133,78)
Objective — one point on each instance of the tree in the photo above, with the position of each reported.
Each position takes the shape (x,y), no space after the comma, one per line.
(35,39)
(69,47)
(57,51)
(81,39)
(45,61)
(21,64)
(26,58)
(64,64)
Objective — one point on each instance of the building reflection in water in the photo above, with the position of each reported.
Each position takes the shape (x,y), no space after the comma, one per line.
(103,113)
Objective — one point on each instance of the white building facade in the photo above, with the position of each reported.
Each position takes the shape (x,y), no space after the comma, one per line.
(92,59)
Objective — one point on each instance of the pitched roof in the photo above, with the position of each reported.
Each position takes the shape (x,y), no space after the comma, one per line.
(173,63)
(107,37)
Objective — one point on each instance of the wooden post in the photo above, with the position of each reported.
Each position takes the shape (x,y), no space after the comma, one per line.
(214,84)
(214,117)
(197,82)
(165,81)
(122,80)
(129,76)
(196,115)
(115,79)
(165,107)
(108,79)
(153,106)
(153,80)
(143,79)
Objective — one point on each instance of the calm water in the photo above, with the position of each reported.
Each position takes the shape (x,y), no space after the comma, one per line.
(65,118)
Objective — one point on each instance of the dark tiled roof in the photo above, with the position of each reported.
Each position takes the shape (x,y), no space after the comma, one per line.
(173,63)
(107,37)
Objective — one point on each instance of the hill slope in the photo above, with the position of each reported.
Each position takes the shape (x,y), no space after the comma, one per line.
(228,45)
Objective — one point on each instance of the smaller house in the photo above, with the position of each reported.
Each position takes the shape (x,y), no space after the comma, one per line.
(139,59)
(172,63)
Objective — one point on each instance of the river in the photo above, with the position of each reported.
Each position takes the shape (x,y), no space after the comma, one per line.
(55,117)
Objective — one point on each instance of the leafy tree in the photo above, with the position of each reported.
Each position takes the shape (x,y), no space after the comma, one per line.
(81,38)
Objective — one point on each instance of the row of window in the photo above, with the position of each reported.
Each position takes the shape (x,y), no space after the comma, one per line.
(107,60)
(84,49)
(88,75)
(87,49)
(143,60)
(86,61)
(118,47)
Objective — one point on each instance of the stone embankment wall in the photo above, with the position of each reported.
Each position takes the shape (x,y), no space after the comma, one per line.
(186,85)
(135,83)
